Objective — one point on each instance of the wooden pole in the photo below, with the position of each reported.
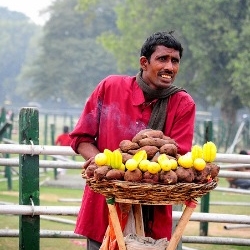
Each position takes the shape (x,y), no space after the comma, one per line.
(139,225)
(115,223)
(190,206)
(29,225)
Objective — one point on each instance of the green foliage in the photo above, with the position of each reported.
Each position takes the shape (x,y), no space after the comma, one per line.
(85,40)
(71,62)
(85,5)
(134,27)
(16,33)
(214,35)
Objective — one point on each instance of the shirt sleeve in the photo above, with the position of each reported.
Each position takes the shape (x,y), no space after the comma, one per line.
(86,129)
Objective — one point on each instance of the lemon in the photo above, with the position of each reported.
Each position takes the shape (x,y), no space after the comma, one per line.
(154,167)
(185,161)
(162,157)
(199,164)
(131,164)
(166,165)
(174,164)
(143,165)
(101,159)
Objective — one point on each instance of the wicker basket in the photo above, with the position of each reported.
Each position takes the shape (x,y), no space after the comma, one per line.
(145,193)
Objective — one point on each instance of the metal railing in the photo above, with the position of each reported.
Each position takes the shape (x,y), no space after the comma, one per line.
(28,146)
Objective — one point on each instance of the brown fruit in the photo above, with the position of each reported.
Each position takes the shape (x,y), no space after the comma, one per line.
(168,149)
(150,178)
(140,135)
(158,142)
(125,157)
(202,176)
(153,133)
(133,176)
(126,145)
(185,174)
(150,150)
(214,169)
(100,172)
(168,177)
(147,133)
(170,140)
(90,170)
(115,174)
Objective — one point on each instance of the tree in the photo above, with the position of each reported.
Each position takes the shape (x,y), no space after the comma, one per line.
(71,62)
(16,32)
(214,34)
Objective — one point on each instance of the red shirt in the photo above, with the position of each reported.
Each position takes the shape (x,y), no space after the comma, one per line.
(116,111)
(63,140)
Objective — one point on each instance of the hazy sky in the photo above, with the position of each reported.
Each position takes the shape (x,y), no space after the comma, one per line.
(30,8)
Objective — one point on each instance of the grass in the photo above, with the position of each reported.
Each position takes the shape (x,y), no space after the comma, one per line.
(49,196)
(217,229)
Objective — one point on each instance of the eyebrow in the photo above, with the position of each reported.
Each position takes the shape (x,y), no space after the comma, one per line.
(168,56)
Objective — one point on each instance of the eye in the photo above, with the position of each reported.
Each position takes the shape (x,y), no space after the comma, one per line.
(162,58)
(175,60)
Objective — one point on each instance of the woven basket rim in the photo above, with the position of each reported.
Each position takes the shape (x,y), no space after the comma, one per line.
(147,193)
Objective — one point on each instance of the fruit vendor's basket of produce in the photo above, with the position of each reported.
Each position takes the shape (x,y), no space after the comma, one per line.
(149,170)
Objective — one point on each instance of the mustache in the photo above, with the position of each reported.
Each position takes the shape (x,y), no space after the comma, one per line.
(166,72)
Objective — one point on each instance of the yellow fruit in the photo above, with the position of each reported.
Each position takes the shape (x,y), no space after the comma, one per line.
(196,152)
(108,153)
(185,161)
(154,167)
(199,164)
(117,159)
(166,165)
(143,165)
(209,151)
(122,167)
(174,164)
(162,157)
(131,164)
(140,155)
(101,159)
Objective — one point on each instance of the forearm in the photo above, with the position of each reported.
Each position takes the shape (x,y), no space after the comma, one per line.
(87,150)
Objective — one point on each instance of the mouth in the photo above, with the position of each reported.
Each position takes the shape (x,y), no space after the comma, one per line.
(169,77)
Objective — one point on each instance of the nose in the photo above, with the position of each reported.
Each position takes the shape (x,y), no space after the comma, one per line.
(168,65)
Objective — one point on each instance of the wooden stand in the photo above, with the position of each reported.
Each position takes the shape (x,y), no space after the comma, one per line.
(190,206)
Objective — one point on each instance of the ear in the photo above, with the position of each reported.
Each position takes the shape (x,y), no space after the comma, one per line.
(143,62)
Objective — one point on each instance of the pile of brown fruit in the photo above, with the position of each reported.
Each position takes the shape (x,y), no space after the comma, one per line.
(152,157)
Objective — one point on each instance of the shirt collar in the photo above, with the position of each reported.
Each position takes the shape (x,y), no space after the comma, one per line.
(138,97)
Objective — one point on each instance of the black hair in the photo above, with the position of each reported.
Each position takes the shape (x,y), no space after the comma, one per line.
(160,38)
(65,129)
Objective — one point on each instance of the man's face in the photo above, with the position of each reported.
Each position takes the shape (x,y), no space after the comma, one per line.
(161,70)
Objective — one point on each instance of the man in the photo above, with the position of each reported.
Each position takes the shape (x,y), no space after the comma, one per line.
(120,107)
(240,183)
(63,139)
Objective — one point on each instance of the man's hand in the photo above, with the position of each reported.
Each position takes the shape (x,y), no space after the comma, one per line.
(91,160)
